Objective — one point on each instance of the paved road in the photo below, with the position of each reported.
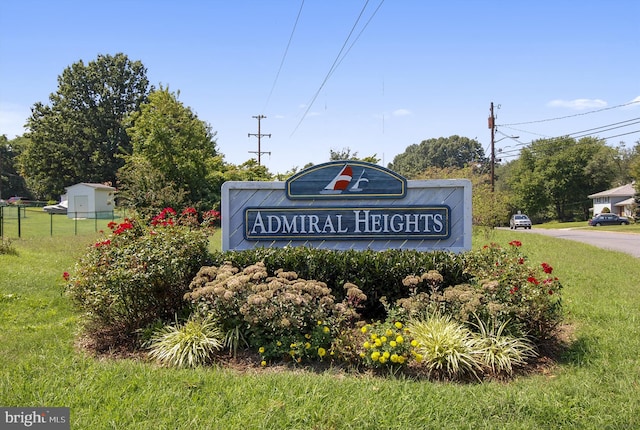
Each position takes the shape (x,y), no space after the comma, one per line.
(623,242)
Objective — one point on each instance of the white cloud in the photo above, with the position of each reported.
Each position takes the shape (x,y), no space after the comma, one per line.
(401,112)
(579,104)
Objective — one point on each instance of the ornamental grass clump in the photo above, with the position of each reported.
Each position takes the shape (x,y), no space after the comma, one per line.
(447,348)
(500,352)
(190,344)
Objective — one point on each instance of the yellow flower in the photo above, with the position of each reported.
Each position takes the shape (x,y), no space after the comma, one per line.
(414,343)
(375,356)
(378,342)
(401,359)
(383,339)
(363,355)
(389,332)
(363,329)
(398,325)
(307,345)
(374,336)
(322,352)
(325,329)
(279,343)
(261,350)
(383,359)
(386,354)
(320,322)
(394,358)
(293,345)
(307,336)
(393,343)
(263,363)
(366,345)
(400,339)
(419,358)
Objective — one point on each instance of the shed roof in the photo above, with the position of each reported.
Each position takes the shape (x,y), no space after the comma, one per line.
(93,185)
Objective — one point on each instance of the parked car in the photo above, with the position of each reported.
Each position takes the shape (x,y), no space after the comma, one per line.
(60,208)
(3,202)
(519,220)
(608,219)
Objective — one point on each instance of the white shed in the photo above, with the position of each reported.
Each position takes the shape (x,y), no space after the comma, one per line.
(87,200)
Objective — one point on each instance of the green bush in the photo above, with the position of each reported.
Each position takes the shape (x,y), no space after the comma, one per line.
(139,273)
(282,316)
(505,287)
(377,273)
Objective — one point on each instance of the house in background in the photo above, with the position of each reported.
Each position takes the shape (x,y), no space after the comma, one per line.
(87,200)
(619,200)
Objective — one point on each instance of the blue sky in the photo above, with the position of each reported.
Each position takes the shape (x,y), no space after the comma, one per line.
(406,71)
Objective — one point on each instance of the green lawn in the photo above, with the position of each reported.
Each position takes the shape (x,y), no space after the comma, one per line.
(594,386)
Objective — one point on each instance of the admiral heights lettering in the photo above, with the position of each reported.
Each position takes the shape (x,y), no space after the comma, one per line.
(427,222)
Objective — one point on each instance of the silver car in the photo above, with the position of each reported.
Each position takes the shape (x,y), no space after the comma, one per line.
(519,220)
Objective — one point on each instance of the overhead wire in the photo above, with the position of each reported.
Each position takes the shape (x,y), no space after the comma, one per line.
(336,62)
(284,56)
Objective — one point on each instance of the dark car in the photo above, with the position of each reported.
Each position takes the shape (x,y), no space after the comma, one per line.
(519,220)
(608,219)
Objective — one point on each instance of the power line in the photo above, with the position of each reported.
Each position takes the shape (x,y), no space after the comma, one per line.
(571,116)
(284,56)
(335,64)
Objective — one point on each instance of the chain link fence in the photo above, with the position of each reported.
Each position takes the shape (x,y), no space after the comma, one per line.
(17,221)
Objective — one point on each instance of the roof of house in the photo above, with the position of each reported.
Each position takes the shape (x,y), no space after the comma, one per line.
(627,202)
(622,191)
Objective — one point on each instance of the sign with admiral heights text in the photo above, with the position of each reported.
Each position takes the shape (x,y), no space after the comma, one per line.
(347,205)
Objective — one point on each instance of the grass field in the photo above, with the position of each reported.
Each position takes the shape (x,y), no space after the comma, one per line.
(596,384)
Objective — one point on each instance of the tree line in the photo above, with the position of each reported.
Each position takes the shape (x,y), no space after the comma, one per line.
(106,124)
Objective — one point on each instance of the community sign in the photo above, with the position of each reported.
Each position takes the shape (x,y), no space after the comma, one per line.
(347,205)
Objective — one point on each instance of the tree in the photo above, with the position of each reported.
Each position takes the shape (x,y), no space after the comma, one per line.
(79,137)
(453,151)
(181,148)
(11,183)
(558,175)
(345,154)
(490,209)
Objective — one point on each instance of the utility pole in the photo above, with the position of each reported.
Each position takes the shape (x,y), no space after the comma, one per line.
(259,136)
(492,126)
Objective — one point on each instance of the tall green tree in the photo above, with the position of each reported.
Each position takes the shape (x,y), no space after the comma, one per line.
(558,175)
(181,149)
(11,183)
(79,136)
(443,152)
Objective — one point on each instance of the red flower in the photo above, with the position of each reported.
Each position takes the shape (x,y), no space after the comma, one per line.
(515,243)
(112,225)
(550,292)
(546,268)
(533,280)
(65,275)
(189,211)
(520,260)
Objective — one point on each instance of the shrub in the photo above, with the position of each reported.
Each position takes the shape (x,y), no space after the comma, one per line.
(139,273)
(282,316)
(387,345)
(377,273)
(505,287)
(187,345)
